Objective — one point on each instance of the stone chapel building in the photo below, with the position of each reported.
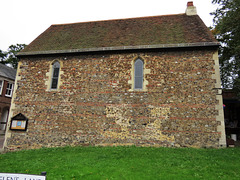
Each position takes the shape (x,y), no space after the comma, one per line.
(147,81)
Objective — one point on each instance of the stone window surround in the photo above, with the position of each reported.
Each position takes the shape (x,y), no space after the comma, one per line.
(49,74)
(55,75)
(145,71)
(138,74)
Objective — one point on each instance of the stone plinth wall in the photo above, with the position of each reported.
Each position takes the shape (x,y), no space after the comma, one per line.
(96,105)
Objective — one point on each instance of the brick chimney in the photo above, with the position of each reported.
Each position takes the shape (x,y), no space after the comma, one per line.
(191,10)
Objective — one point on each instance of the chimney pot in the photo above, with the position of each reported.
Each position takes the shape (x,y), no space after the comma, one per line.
(190,3)
(191,10)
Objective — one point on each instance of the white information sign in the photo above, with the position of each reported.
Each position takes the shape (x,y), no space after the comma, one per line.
(10,176)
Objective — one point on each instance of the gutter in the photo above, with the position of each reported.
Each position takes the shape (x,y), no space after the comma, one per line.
(120,48)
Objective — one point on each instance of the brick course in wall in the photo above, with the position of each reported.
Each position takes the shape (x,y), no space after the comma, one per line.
(95,104)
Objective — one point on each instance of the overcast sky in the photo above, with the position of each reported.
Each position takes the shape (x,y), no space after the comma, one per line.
(21,21)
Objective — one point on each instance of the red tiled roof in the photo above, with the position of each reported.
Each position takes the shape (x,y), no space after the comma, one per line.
(155,30)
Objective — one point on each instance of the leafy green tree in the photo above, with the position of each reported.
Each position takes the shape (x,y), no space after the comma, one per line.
(9,57)
(2,56)
(12,51)
(227,31)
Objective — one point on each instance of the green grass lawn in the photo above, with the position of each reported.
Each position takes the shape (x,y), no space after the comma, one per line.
(125,163)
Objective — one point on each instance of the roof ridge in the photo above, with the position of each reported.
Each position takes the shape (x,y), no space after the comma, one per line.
(118,19)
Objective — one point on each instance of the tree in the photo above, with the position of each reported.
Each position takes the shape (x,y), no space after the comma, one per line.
(9,57)
(227,31)
(2,57)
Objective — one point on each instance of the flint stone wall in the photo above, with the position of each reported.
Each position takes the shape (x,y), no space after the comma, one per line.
(95,105)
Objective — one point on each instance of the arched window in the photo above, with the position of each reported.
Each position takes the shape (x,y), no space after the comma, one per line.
(138,74)
(55,74)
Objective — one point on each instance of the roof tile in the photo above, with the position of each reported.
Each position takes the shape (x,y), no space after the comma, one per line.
(168,29)
(7,72)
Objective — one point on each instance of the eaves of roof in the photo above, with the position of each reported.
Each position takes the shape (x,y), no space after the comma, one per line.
(121,48)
